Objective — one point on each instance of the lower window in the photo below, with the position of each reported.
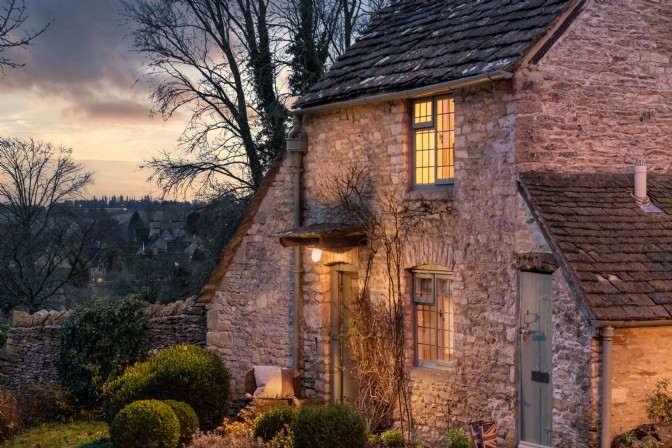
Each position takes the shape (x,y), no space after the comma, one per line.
(433,304)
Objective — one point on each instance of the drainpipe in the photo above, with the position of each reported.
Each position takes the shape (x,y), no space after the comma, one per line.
(297,144)
(607,334)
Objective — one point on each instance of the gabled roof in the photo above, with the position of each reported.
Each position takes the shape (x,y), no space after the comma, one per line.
(208,291)
(618,258)
(417,43)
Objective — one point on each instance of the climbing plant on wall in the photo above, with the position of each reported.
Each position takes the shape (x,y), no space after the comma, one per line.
(377,335)
(98,341)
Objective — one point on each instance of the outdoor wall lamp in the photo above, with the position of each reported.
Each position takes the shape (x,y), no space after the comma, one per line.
(316,254)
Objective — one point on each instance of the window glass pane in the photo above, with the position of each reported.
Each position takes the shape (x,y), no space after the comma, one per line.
(424,156)
(424,290)
(426,332)
(444,298)
(445,135)
(422,112)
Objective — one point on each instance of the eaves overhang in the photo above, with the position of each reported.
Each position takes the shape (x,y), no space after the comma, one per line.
(323,236)
(419,92)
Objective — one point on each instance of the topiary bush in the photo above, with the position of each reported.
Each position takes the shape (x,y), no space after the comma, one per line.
(187,418)
(328,426)
(184,373)
(145,424)
(98,341)
(272,422)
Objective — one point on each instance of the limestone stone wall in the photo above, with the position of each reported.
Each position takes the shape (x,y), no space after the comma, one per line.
(640,360)
(600,98)
(30,357)
(250,317)
(475,230)
(575,376)
(481,224)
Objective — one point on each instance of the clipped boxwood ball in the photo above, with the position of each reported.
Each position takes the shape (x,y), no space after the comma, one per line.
(187,418)
(328,426)
(183,373)
(272,422)
(145,424)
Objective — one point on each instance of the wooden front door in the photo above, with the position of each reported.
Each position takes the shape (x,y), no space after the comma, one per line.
(345,287)
(536,359)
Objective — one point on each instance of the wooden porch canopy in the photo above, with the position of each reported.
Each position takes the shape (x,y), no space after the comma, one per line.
(324,236)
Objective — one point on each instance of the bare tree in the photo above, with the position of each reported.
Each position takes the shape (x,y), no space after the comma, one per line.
(215,60)
(222,62)
(44,244)
(319,32)
(13,34)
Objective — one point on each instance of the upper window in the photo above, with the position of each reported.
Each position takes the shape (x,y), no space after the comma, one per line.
(433,303)
(433,142)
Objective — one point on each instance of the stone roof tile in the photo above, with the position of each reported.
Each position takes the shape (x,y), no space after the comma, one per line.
(418,43)
(618,257)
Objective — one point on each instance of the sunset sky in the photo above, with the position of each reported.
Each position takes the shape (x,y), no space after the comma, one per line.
(83,87)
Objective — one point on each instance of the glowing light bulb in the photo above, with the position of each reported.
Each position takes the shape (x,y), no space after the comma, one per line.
(316,254)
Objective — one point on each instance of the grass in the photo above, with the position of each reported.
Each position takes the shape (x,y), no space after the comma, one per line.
(82,434)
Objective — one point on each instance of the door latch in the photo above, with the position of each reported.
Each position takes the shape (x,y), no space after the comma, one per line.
(525,333)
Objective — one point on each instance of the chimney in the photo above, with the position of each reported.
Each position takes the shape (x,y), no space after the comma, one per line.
(640,181)
(640,194)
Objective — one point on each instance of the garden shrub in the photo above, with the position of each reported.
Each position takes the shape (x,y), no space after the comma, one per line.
(328,426)
(187,418)
(392,438)
(4,330)
(98,341)
(659,403)
(10,416)
(457,438)
(145,424)
(216,440)
(272,422)
(39,404)
(242,423)
(184,373)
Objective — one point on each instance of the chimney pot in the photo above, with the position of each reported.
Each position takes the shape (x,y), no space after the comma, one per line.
(640,180)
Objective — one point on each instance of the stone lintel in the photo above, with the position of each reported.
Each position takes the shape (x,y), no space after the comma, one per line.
(536,261)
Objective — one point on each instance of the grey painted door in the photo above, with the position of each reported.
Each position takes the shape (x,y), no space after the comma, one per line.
(344,290)
(536,358)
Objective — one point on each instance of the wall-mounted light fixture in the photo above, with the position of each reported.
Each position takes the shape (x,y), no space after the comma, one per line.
(316,254)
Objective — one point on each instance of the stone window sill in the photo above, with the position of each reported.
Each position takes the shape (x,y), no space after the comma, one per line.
(442,373)
(431,195)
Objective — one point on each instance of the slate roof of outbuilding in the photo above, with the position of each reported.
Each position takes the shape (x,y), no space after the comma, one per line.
(618,258)
(418,43)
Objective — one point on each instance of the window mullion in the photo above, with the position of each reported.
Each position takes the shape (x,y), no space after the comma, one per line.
(437,311)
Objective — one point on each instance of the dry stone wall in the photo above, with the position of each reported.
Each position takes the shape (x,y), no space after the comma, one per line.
(29,359)
(600,98)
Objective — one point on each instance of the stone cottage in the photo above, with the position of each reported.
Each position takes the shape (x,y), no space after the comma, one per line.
(538,287)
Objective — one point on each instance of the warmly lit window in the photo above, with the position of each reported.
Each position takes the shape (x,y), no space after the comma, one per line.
(433,140)
(433,303)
